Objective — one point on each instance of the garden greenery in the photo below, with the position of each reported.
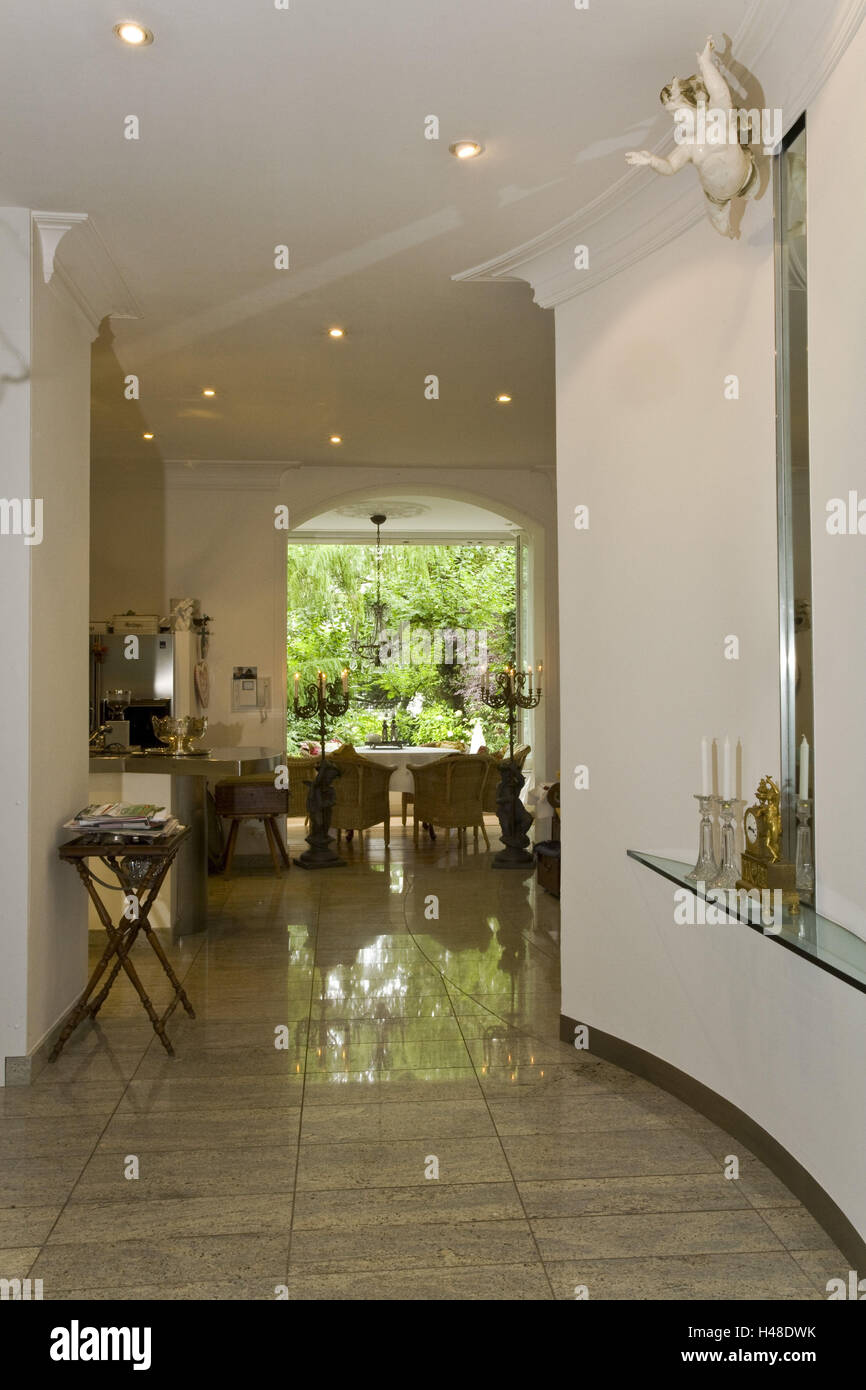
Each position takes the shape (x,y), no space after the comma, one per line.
(463,593)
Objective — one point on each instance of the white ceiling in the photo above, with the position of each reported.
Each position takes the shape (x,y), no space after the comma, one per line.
(306,126)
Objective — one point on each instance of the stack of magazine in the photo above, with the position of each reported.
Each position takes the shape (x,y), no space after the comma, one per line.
(142,819)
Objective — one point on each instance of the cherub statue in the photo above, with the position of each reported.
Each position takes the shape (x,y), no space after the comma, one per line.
(726,169)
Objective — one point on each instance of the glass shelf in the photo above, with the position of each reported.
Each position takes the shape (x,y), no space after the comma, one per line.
(821,941)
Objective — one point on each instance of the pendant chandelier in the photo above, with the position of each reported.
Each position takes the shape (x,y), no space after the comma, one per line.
(370,651)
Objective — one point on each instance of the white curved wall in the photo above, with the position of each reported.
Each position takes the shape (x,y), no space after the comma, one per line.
(681,552)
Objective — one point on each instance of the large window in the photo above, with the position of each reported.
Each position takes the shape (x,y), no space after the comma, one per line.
(451,612)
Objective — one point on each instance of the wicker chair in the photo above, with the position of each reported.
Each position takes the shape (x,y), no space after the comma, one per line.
(450,792)
(492,785)
(301,771)
(362,792)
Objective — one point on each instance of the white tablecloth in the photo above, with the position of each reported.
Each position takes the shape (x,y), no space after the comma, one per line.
(401,780)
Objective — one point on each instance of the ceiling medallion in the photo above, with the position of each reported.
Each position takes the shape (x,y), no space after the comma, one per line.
(393,509)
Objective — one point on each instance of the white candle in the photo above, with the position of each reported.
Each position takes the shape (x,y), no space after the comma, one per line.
(804,769)
(510,680)
(297,682)
(539,676)
(705,767)
(715,751)
(345,682)
(727,783)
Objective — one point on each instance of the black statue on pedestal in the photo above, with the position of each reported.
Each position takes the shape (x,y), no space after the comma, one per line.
(514,819)
(320,803)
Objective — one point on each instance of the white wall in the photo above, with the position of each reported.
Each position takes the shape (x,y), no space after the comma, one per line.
(15,628)
(60,470)
(837,427)
(681,552)
(45,439)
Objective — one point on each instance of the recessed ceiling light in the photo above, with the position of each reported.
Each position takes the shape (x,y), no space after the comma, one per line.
(208,391)
(503,399)
(466,149)
(336,439)
(147,436)
(132,33)
(336,332)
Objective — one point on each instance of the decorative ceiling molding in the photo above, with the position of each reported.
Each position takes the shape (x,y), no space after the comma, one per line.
(398,537)
(83,266)
(639,214)
(260,475)
(226,475)
(51,227)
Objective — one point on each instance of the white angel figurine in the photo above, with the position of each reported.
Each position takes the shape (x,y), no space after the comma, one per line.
(726,169)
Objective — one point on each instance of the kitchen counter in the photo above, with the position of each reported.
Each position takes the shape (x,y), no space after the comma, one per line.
(220,762)
(132,777)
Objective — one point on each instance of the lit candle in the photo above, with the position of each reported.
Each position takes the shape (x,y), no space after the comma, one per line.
(538,683)
(804,769)
(345,682)
(727,779)
(705,767)
(297,683)
(510,680)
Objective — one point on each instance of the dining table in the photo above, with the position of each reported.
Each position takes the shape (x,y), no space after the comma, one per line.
(399,759)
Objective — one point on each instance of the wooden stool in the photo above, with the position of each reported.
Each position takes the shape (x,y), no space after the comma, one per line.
(253,798)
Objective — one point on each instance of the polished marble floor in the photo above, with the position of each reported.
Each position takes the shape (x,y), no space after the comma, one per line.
(373,1103)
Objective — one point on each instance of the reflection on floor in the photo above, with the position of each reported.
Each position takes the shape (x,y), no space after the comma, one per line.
(411,1045)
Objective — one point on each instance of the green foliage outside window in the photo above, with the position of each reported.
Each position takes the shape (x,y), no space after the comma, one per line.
(465,593)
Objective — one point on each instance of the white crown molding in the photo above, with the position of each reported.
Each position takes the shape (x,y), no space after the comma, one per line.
(83,267)
(638,214)
(51,228)
(404,537)
(225,475)
(263,475)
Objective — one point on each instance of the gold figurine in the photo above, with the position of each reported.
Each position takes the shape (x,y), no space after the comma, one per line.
(763,865)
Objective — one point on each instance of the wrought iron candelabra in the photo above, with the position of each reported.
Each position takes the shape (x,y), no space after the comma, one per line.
(511,691)
(321,704)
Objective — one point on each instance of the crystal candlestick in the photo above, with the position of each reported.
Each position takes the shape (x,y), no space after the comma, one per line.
(729,870)
(706,868)
(805,868)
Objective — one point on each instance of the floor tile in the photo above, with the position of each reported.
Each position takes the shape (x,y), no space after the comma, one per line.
(451,1119)
(184,1218)
(691,1192)
(651,1233)
(400,1164)
(515,1283)
(761,1276)
(437,1203)
(162,1260)
(239,1171)
(422,1246)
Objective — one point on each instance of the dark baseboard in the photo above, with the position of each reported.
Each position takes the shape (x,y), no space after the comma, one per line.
(735,1122)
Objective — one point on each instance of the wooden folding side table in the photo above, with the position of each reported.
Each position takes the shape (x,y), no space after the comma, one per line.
(140,869)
